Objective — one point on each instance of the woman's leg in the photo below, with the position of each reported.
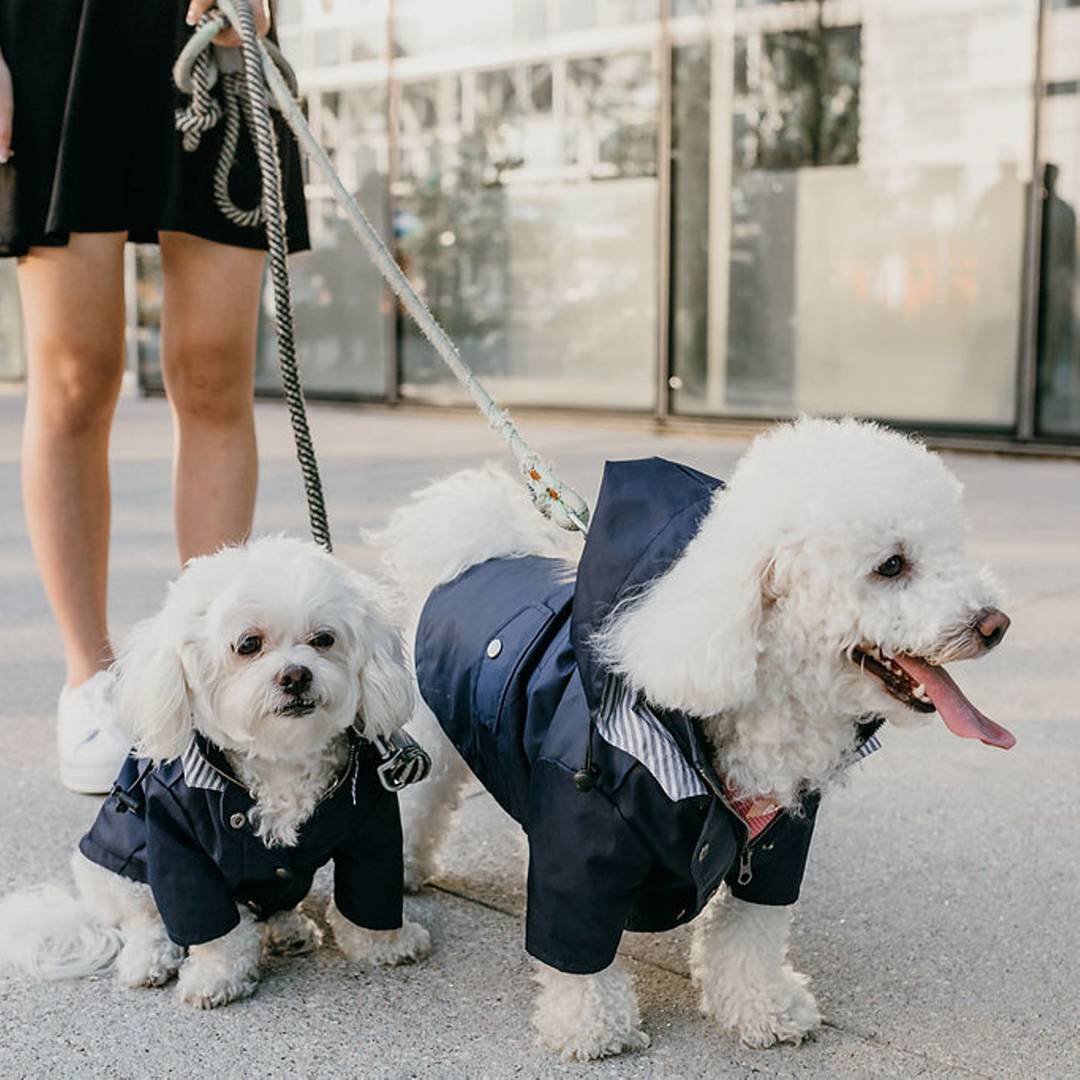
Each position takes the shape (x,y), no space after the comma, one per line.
(73,313)
(209,325)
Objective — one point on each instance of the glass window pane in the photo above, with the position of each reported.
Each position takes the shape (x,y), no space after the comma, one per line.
(1059,282)
(12,364)
(525,207)
(848,209)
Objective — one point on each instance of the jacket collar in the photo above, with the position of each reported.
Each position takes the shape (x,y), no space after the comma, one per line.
(647,512)
(206,765)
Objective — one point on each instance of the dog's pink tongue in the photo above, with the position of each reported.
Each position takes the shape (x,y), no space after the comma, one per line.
(960,716)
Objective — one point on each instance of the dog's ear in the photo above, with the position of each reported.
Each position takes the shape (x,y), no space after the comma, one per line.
(152,703)
(691,640)
(386,689)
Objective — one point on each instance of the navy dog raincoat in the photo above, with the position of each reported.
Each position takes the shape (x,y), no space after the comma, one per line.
(503,661)
(188,834)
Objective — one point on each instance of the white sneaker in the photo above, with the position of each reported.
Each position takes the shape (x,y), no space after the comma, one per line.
(90,745)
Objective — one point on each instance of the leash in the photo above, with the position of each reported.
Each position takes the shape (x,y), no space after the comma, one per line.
(553,498)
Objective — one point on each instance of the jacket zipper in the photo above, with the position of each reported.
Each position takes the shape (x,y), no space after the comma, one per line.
(746,856)
(746,852)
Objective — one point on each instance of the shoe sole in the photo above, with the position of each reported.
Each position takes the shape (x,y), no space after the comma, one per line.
(87,779)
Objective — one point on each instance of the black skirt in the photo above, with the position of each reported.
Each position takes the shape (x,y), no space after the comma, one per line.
(94,141)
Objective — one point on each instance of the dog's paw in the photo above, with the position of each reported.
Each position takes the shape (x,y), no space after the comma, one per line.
(783,1012)
(148,961)
(591,1046)
(208,986)
(291,933)
(585,1017)
(417,874)
(381,948)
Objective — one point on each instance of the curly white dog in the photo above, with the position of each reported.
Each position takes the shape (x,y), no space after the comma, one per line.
(244,695)
(662,719)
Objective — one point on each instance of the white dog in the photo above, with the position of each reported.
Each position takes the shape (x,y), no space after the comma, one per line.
(242,696)
(662,719)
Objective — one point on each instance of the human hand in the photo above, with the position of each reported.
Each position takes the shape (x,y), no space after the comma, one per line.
(7,112)
(259,8)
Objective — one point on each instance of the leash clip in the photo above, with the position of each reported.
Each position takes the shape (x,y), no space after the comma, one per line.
(404,760)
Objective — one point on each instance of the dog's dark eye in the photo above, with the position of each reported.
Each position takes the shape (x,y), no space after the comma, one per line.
(322,640)
(249,645)
(891,567)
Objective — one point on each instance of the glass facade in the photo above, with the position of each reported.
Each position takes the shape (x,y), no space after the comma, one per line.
(721,208)
(525,196)
(1058,398)
(11,353)
(849,201)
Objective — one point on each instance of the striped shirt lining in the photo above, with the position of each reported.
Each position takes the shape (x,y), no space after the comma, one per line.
(198,772)
(625,721)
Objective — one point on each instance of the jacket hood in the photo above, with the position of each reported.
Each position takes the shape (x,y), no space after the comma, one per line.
(647,512)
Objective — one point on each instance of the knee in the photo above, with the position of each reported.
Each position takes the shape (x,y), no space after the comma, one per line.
(209,383)
(75,387)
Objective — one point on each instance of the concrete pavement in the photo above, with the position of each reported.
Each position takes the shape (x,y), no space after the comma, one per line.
(938,913)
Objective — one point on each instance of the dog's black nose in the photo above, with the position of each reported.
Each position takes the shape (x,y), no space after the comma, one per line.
(294,679)
(991,625)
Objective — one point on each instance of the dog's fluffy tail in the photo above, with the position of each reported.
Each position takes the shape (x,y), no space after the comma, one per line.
(51,935)
(455,523)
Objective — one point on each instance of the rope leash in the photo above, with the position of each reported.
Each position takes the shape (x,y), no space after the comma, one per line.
(552,497)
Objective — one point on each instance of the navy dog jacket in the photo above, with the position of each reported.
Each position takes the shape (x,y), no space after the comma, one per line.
(190,838)
(503,662)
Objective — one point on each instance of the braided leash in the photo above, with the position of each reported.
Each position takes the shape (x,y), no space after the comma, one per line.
(553,499)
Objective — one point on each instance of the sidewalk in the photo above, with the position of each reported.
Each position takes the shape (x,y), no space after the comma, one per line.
(938,920)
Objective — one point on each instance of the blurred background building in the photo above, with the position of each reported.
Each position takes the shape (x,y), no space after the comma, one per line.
(701,208)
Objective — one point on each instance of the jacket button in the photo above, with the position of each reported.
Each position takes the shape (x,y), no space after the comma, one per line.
(282,873)
(702,855)
(238,820)
(494,648)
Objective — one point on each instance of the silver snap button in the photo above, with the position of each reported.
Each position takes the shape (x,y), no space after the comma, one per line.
(238,820)
(494,648)
(703,853)
(282,873)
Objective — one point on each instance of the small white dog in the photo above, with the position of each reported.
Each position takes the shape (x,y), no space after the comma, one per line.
(250,697)
(662,719)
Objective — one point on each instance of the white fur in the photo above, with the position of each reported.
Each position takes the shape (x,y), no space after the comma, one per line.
(751,632)
(225,969)
(179,672)
(738,959)
(291,933)
(408,944)
(584,1017)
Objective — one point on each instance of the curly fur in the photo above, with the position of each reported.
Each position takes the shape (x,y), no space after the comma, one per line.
(738,960)
(751,631)
(379,948)
(584,1017)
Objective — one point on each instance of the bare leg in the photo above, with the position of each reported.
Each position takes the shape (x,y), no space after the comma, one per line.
(73,311)
(209,326)
(739,961)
